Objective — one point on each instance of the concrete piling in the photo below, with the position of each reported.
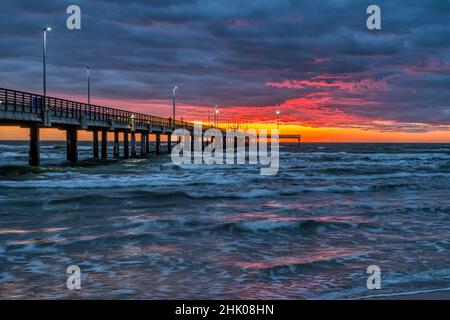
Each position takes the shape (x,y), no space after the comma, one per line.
(143,145)
(95,143)
(126,149)
(158,143)
(104,145)
(147,143)
(35,146)
(133,144)
(116,144)
(71,144)
(169,143)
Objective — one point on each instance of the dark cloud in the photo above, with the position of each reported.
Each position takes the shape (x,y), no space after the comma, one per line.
(227,52)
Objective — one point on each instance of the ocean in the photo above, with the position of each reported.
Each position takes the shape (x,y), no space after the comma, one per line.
(147,229)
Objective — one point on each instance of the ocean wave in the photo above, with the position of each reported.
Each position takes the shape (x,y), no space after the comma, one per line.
(140,225)
(207,194)
(14,171)
(295,225)
(283,264)
(161,186)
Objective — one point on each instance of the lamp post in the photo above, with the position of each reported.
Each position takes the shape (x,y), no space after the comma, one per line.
(174,91)
(216,116)
(88,70)
(44,51)
(278,118)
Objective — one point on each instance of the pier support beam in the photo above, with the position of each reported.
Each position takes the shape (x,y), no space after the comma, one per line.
(95,143)
(158,143)
(147,143)
(71,143)
(104,145)
(126,149)
(169,143)
(133,144)
(116,144)
(35,147)
(143,144)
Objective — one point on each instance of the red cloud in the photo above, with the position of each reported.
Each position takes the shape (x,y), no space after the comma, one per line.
(333,82)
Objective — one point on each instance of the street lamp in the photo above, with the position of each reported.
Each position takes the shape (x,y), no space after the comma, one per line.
(216,115)
(174,91)
(88,70)
(278,118)
(44,50)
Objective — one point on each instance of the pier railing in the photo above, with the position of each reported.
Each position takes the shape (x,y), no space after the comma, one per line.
(25,102)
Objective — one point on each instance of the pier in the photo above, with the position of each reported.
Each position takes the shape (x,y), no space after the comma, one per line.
(28,110)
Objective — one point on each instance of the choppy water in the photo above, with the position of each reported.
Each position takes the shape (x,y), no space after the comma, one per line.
(149,229)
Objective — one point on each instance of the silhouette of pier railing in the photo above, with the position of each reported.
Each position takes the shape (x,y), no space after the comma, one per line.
(29,103)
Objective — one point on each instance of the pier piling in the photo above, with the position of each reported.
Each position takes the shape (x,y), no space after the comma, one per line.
(143,145)
(104,145)
(34,151)
(126,148)
(133,144)
(116,144)
(71,144)
(147,143)
(95,143)
(158,143)
(169,143)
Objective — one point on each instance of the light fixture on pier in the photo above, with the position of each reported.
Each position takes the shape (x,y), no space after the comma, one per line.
(44,49)
(174,91)
(88,71)
(216,115)
(278,112)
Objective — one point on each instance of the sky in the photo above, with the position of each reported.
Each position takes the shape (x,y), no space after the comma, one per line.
(315,61)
